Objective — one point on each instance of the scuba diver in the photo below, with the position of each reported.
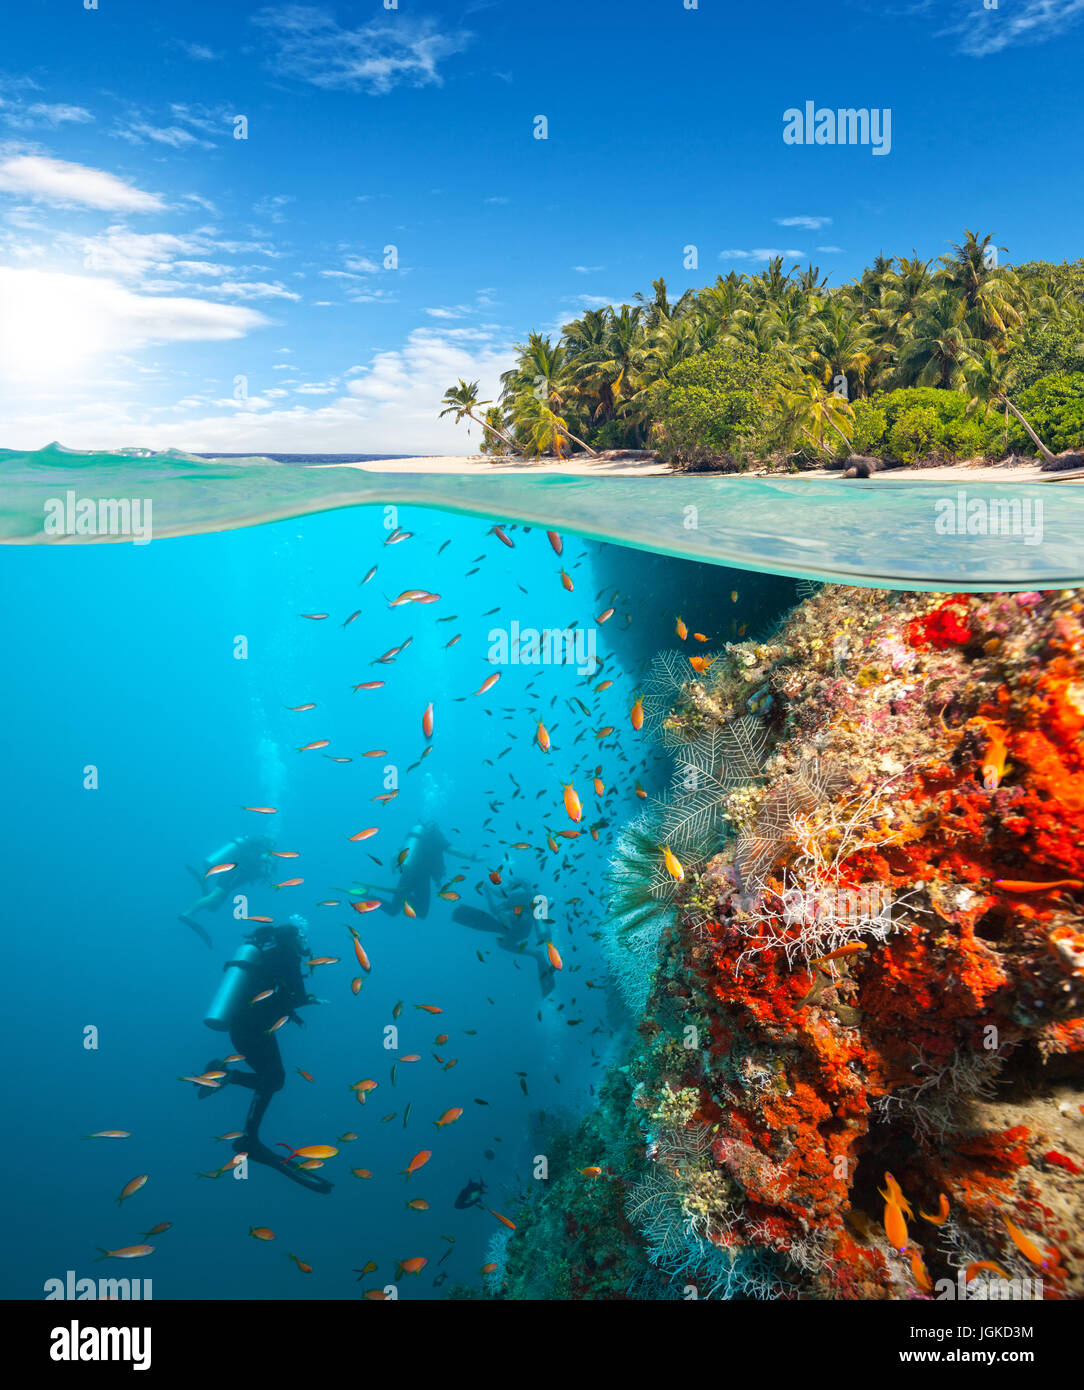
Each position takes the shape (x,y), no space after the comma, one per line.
(251,857)
(422,859)
(471,1196)
(268,963)
(507,904)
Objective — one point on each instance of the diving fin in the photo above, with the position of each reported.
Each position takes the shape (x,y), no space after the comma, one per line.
(258,1152)
(203,935)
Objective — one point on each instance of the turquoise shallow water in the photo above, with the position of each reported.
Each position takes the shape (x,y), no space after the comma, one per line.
(882,532)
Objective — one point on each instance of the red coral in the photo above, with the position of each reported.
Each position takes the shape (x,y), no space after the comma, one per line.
(940,629)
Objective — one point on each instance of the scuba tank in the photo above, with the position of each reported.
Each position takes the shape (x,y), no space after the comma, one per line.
(235,987)
(225,855)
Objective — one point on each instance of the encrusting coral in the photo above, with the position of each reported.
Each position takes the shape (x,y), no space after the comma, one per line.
(870,967)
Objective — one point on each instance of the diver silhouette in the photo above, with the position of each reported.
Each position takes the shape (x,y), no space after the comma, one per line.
(269,962)
(251,857)
(423,865)
(509,916)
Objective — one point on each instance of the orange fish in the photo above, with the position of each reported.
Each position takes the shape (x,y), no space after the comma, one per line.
(555,956)
(368,685)
(411,1057)
(261,1232)
(502,1219)
(995,753)
(131,1187)
(320,743)
(556,541)
(219,869)
(289,883)
(418,1161)
(572,802)
(974,1267)
(362,1086)
(681,630)
(276,1026)
(699,637)
(376,753)
(127,1252)
(488,683)
(542,737)
(414,1265)
(449,1117)
(296,709)
(282,854)
(942,1214)
(309,1151)
(603,685)
(427,721)
(636,714)
(604,617)
(408,911)
(566,580)
(1023,885)
(591,1172)
(262,810)
(441,1039)
(363,959)
(417,1204)
(494,877)
(361,1172)
(488,1269)
(1027,1247)
(701,663)
(640,791)
(110,1134)
(157,1230)
(305,1074)
(356,984)
(304,1268)
(368,905)
(895,1194)
(364,834)
(895,1226)
(851,949)
(429,1008)
(918,1270)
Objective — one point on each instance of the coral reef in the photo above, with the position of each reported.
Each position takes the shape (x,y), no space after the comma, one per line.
(870,964)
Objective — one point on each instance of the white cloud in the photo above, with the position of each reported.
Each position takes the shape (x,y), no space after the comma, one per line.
(252,289)
(199,52)
(760,253)
(64,184)
(392,406)
(45,113)
(175,136)
(982,31)
(809,224)
(830,250)
(57,323)
(375,57)
(588,269)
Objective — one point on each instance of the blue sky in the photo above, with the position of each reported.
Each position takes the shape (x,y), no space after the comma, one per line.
(164,283)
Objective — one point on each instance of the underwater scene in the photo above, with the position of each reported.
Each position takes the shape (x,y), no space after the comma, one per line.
(421,905)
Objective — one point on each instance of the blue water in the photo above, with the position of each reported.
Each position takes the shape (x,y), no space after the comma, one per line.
(123,659)
(883,532)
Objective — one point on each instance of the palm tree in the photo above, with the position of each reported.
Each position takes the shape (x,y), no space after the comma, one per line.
(939,345)
(989,379)
(986,290)
(544,430)
(810,410)
(462,400)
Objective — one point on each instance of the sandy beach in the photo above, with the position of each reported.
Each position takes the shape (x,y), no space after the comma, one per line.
(478,465)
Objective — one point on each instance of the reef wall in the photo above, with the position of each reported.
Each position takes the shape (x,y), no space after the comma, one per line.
(852,938)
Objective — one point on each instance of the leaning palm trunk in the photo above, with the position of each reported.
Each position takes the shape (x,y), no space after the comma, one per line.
(493,430)
(1047,455)
(580,442)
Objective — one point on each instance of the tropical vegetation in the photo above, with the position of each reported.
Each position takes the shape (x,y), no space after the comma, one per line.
(915,359)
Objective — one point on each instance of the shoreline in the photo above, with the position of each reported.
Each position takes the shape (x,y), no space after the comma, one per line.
(481,465)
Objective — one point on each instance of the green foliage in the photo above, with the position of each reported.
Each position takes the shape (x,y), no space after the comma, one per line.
(1045,350)
(716,406)
(1054,408)
(914,435)
(870,427)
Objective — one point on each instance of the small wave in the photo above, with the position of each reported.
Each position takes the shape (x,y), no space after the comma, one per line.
(862,533)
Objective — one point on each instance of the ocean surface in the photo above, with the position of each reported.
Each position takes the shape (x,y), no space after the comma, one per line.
(883,532)
(154,692)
